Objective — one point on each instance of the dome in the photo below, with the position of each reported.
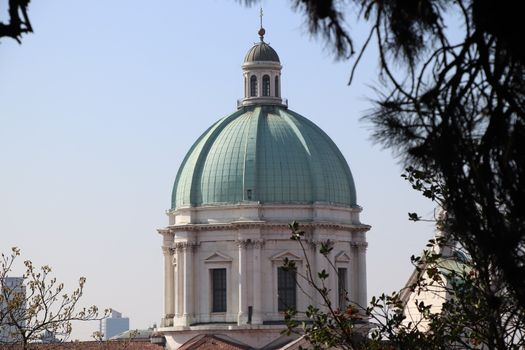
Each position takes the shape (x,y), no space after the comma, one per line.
(261,52)
(265,154)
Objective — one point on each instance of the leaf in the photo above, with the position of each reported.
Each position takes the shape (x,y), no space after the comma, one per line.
(413,217)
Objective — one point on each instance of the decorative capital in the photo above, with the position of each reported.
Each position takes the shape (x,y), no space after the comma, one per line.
(243,243)
(258,243)
(187,246)
(315,243)
(359,245)
(167,250)
(254,243)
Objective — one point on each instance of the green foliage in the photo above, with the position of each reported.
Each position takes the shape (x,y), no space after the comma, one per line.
(327,326)
(425,182)
(467,312)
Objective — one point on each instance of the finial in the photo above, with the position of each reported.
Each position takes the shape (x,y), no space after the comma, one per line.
(261,30)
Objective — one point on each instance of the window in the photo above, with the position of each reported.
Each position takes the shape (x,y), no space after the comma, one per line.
(218,286)
(266,85)
(342,287)
(276,86)
(253,86)
(286,289)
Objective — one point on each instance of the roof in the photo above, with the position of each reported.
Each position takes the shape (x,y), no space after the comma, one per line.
(134,334)
(451,266)
(212,342)
(263,154)
(90,345)
(261,52)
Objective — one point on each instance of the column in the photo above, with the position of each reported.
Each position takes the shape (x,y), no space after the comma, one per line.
(188,282)
(259,85)
(318,267)
(246,85)
(361,261)
(315,298)
(168,286)
(242,315)
(257,301)
(177,268)
(332,282)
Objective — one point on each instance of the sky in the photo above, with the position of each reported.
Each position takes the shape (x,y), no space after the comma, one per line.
(99,106)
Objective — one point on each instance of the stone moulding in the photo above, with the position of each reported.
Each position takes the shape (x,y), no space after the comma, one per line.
(218,257)
(278,225)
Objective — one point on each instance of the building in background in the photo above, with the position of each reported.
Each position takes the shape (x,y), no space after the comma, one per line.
(423,287)
(49,337)
(240,184)
(12,307)
(114,325)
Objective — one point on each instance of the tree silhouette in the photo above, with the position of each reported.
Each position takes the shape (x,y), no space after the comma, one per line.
(18,20)
(453,109)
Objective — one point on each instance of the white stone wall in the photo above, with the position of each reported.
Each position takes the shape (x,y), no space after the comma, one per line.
(251,249)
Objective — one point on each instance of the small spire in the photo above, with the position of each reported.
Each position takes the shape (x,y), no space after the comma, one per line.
(261,30)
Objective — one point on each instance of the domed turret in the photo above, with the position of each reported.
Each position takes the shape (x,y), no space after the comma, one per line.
(262,75)
(236,190)
(263,153)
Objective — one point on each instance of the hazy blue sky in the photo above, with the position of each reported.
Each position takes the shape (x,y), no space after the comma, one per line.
(99,106)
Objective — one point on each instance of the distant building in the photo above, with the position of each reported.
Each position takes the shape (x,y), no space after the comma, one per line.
(451,264)
(113,325)
(49,337)
(13,294)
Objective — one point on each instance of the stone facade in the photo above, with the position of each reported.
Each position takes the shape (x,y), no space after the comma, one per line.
(251,242)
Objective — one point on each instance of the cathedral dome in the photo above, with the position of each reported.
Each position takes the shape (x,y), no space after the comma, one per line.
(261,52)
(266,154)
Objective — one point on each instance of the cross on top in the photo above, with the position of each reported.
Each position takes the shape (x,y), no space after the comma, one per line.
(261,31)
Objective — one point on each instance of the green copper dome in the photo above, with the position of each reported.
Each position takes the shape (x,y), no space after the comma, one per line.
(265,154)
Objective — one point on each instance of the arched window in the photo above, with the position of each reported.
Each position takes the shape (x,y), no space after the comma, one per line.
(253,86)
(266,85)
(276,86)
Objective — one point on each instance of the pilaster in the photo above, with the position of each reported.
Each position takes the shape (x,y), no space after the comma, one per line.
(168,286)
(361,272)
(242,316)
(188,295)
(257,287)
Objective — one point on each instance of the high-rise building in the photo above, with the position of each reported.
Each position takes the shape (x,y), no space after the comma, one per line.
(240,184)
(113,325)
(12,307)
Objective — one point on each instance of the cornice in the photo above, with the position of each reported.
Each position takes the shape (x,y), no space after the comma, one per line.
(258,205)
(236,225)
